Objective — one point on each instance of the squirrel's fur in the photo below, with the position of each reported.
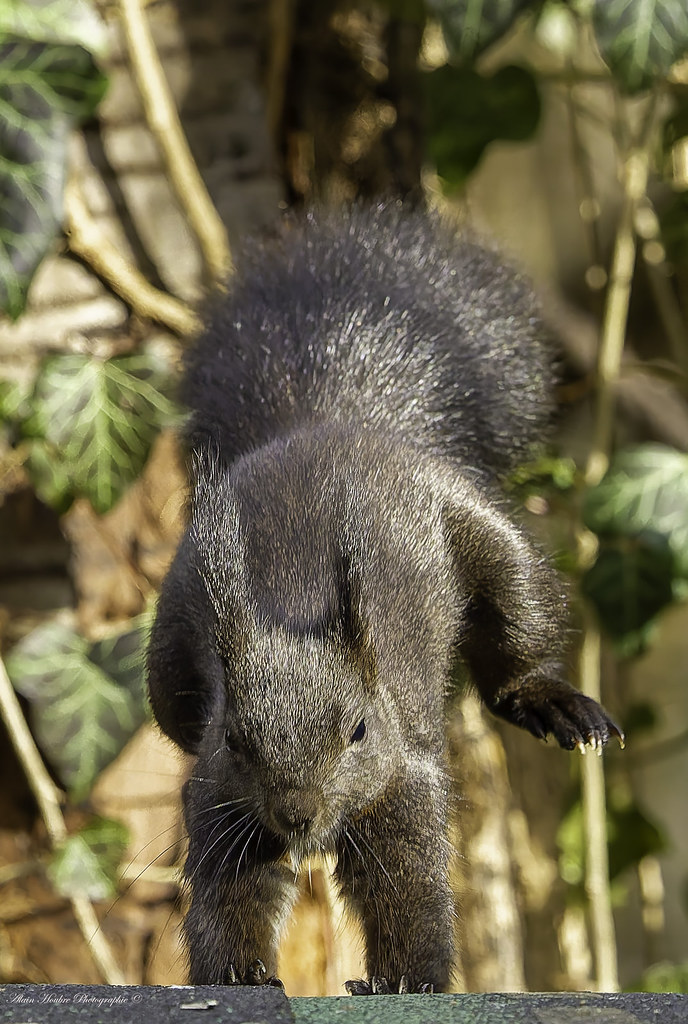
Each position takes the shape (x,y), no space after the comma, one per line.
(353,401)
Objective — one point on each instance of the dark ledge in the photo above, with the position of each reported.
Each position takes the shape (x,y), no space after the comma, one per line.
(106,1004)
(145,1004)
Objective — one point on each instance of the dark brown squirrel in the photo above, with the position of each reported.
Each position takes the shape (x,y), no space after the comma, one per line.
(354,400)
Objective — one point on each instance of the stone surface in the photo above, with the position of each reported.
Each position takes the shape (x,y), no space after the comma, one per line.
(495,1008)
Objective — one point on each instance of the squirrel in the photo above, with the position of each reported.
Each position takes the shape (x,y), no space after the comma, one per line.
(355,399)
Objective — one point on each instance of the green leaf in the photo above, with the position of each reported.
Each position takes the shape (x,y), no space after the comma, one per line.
(87,700)
(640,39)
(54,21)
(467,111)
(662,977)
(645,490)
(639,717)
(571,846)
(470,26)
(86,863)
(50,478)
(15,397)
(630,837)
(45,89)
(629,584)
(93,423)
(673,223)
(675,126)
(49,82)
(543,474)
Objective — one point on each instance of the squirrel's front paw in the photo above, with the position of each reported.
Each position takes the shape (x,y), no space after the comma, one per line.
(380,987)
(255,974)
(546,707)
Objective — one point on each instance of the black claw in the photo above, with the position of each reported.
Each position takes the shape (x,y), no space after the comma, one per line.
(545,707)
(378,986)
(231,976)
(358,987)
(256,973)
(619,733)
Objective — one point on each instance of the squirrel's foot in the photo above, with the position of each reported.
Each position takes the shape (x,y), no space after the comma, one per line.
(256,974)
(378,986)
(545,707)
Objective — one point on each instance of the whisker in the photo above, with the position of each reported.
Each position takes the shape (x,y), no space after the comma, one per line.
(175,825)
(223,835)
(376,858)
(225,803)
(233,845)
(257,825)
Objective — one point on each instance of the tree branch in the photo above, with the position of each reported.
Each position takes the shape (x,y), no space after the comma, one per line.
(88,241)
(635,174)
(48,798)
(163,120)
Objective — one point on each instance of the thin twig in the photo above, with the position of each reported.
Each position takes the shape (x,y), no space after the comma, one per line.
(588,204)
(87,241)
(281,20)
(595,827)
(48,798)
(98,945)
(608,368)
(163,120)
(617,302)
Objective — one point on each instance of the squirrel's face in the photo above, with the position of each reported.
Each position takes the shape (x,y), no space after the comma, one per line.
(304,742)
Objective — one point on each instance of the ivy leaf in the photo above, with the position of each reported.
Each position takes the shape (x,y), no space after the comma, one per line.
(662,977)
(645,490)
(54,21)
(674,227)
(675,126)
(629,584)
(470,26)
(93,423)
(14,406)
(640,39)
(48,84)
(467,111)
(630,834)
(87,700)
(86,863)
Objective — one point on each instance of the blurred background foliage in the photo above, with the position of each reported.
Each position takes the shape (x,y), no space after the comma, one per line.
(101,260)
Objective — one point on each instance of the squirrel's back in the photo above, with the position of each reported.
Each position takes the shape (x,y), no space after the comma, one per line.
(380,317)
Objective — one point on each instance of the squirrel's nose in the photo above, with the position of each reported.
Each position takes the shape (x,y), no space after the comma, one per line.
(291,823)
(292,811)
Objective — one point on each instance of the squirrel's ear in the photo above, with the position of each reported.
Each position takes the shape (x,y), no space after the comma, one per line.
(355,633)
(216,536)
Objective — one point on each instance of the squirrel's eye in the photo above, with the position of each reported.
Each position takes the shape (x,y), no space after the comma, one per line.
(359,732)
(231,741)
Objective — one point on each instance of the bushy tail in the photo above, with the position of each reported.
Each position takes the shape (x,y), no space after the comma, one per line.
(379,316)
